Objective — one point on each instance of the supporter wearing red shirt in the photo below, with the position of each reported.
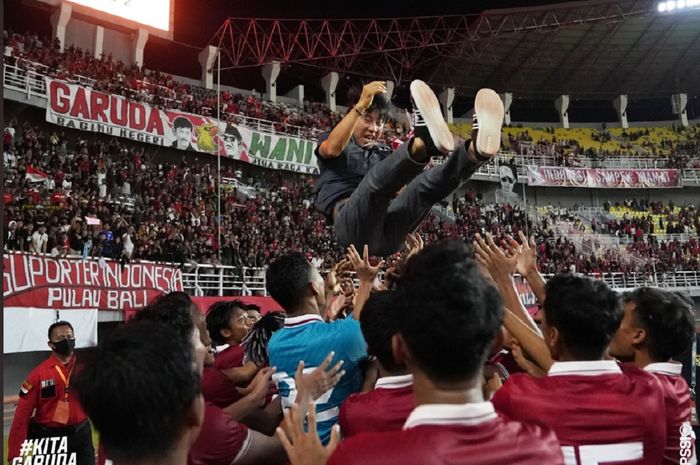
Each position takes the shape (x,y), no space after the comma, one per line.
(657,327)
(47,406)
(58,198)
(387,406)
(443,338)
(600,412)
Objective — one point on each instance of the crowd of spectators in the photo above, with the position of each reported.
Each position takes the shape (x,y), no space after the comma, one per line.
(105,199)
(568,152)
(161,212)
(107,74)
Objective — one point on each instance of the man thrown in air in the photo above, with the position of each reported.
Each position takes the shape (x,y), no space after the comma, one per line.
(360,177)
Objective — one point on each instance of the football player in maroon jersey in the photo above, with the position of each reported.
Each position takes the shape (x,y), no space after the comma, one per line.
(600,411)
(386,407)
(658,326)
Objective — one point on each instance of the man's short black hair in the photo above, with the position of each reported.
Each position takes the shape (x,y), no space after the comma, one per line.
(379,322)
(172,309)
(450,314)
(287,278)
(138,388)
(58,324)
(379,102)
(252,307)
(182,122)
(667,318)
(218,317)
(586,312)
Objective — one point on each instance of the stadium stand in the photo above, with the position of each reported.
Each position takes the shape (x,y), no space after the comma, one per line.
(167,212)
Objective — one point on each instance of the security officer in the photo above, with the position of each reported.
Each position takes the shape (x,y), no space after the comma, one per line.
(49,408)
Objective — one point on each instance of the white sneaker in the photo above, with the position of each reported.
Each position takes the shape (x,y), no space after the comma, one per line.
(428,123)
(487,123)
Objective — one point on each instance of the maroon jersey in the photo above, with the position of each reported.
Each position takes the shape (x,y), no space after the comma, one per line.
(216,387)
(220,441)
(230,357)
(677,396)
(385,408)
(599,412)
(469,434)
(505,363)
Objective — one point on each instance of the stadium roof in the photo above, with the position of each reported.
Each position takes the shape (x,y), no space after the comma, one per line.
(594,49)
(590,49)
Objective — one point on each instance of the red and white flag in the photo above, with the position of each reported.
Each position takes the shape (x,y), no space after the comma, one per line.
(36,175)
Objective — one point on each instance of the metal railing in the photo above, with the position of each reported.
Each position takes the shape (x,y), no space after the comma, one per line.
(223,280)
(220,280)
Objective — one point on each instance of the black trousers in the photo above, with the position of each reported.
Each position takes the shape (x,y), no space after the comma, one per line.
(79,439)
(372,215)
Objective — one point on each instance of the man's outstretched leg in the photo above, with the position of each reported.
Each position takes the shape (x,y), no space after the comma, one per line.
(408,210)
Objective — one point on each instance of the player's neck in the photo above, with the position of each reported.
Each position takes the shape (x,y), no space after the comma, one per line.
(642,359)
(384,373)
(309,307)
(426,392)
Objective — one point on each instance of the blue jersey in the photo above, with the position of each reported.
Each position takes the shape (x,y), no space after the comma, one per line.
(310,339)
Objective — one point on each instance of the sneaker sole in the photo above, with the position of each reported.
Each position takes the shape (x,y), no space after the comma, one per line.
(488,107)
(429,106)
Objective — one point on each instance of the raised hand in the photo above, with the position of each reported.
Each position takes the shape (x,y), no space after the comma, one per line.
(369,90)
(527,260)
(495,260)
(365,271)
(414,243)
(332,277)
(311,386)
(304,447)
(259,386)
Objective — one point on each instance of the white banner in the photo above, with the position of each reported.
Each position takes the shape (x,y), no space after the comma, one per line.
(26,329)
(78,107)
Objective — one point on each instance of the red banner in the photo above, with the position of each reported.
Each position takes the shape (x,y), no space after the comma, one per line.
(559,176)
(71,283)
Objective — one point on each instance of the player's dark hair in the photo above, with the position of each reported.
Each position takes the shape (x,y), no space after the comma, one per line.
(256,341)
(667,318)
(287,278)
(252,307)
(59,324)
(138,388)
(586,312)
(172,309)
(379,322)
(450,313)
(218,317)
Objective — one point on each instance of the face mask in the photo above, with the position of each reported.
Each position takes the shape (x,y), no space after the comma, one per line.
(64,347)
